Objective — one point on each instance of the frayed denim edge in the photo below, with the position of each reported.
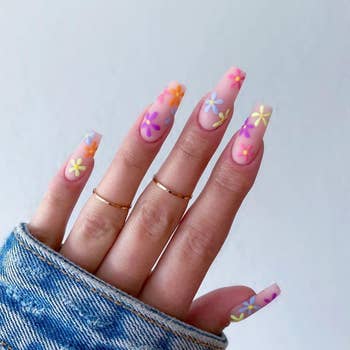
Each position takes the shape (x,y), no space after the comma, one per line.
(116,295)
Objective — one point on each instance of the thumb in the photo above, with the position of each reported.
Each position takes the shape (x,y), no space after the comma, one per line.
(216,310)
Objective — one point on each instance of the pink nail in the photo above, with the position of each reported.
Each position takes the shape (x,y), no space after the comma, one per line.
(255,303)
(160,116)
(82,158)
(218,106)
(248,140)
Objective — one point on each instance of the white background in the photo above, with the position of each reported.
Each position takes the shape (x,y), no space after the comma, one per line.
(68,66)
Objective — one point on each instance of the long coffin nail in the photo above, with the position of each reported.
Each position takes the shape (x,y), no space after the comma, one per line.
(255,303)
(160,116)
(218,106)
(82,158)
(248,140)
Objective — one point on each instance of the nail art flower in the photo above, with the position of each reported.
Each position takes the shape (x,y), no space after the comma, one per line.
(246,152)
(89,137)
(148,123)
(77,166)
(245,128)
(237,318)
(222,118)
(237,78)
(268,300)
(91,149)
(212,102)
(177,94)
(173,110)
(161,97)
(261,116)
(170,118)
(249,307)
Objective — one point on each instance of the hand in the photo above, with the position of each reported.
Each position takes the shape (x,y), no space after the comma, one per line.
(124,252)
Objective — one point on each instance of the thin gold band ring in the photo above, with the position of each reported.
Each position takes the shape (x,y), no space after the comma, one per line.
(166,189)
(112,204)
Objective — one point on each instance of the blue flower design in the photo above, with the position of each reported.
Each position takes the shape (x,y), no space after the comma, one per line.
(212,103)
(173,110)
(168,120)
(89,137)
(249,306)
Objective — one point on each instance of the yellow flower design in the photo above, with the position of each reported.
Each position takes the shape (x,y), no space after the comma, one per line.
(237,318)
(77,166)
(222,118)
(261,116)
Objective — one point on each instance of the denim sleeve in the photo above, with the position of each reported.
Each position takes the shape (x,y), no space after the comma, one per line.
(47,302)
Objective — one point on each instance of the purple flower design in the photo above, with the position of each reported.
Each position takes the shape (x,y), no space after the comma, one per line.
(268,300)
(148,123)
(245,128)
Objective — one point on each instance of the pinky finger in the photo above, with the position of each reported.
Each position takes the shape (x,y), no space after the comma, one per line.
(50,220)
(216,310)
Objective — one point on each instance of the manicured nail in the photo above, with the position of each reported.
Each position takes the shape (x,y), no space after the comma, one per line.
(255,303)
(82,158)
(248,140)
(160,116)
(218,106)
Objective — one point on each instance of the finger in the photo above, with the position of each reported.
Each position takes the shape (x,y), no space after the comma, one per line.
(211,312)
(98,223)
(215,311)
(179,273)
(49,222)
(157,213)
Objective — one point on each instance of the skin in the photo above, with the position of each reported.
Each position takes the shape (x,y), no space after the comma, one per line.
(125,252)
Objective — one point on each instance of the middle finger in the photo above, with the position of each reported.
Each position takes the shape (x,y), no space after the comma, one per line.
(157,213)
(99,224)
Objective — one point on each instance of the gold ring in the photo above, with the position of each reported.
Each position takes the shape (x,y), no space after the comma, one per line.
(166,189)
(112,204)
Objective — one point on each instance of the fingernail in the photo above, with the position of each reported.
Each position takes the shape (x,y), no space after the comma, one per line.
(82,158)
(255,303)
(160,116)
(248,140)
(218,106)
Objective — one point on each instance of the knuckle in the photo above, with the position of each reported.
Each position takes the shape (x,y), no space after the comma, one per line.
(154,220)
(231,181)
(55,199)
(200,242)
(130,160)
(97,227)
(194,146)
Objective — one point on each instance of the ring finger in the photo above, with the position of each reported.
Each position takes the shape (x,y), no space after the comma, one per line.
(176,278)
(99,224)
(156,213)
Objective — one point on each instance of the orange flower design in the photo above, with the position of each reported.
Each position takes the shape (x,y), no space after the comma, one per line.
(177,94)
(90,150)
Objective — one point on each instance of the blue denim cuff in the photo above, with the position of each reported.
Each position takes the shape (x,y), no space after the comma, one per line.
(48,302)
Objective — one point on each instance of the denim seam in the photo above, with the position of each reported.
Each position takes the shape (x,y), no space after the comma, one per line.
(150,320)
(8,347)
(91,280)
